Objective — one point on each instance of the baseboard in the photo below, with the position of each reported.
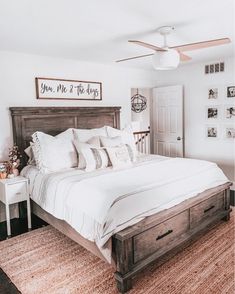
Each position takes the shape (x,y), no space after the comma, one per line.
(232,197)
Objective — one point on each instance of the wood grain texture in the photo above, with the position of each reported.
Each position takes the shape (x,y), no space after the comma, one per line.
(66,229)
(205,209)
(160,236)
(152,220)
(201,45)
(147,45)
(144,236)
(54,120)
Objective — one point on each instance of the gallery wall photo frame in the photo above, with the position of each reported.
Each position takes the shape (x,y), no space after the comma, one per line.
(229,112)
(65,89)
(229,132)
(212,131)
(230,90)
(213,93)
(213,112)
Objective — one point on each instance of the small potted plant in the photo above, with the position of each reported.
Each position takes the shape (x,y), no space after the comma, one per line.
(14,161)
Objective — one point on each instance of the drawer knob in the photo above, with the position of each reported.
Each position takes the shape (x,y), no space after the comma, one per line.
(164,235)
(208,209)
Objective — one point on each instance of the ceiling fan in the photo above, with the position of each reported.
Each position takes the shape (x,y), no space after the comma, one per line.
(166,57)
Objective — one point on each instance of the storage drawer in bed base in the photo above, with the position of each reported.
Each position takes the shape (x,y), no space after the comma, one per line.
(140,245)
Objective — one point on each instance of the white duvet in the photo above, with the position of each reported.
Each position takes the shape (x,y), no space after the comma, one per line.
(101,203)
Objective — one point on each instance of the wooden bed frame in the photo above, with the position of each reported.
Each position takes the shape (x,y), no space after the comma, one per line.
(153,239)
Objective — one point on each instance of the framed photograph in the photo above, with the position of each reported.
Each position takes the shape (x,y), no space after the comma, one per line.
(229,132)
(231,92)
(211,131)
(230,112)
(212,112)
(212,93)
(61,89)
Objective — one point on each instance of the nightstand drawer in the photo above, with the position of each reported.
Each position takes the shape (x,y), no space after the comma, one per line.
(17,192)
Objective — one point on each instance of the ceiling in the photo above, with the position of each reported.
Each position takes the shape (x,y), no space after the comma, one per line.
(97,31)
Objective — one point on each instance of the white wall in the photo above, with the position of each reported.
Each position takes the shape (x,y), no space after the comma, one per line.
(17,86)
(196,85)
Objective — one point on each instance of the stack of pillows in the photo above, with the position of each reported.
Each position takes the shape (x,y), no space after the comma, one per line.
(86,149)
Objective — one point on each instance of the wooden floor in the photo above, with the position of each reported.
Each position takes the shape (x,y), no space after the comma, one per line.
(18,226)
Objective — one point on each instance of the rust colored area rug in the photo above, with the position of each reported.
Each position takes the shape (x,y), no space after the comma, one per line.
(46,262)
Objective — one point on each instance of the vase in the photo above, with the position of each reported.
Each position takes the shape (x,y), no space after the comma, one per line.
(3,175)
(15,172)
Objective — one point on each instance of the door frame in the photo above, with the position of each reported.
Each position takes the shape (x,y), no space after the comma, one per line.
(151,117)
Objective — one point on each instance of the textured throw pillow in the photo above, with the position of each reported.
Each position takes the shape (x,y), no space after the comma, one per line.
(83,135)
(119,156)
(127,137)
(94,141)
(93,157)
(54,153)
(115,142)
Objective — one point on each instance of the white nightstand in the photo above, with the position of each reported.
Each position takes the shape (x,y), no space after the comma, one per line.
(14,191)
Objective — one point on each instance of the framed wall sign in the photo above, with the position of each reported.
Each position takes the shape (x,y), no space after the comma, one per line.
(60,89)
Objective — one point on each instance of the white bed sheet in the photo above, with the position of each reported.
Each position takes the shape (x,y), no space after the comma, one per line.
(100,203)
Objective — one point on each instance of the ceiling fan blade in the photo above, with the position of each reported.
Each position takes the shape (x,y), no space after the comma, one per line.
(200,45)
(147,45)
(135,57)
(184,57)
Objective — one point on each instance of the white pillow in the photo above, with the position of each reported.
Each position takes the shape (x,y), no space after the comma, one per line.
(119,156)
(94,157)
(127,137)
(111,142)
(83,135)
(54,153)
(94,142)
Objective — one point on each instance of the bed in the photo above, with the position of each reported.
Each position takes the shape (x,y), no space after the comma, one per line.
(155,235)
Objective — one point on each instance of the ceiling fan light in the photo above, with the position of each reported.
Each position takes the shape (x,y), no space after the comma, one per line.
(166,60)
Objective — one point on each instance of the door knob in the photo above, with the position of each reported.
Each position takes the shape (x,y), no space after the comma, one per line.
(178,138)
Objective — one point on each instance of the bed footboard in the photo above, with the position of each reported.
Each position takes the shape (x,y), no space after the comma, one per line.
(159,237)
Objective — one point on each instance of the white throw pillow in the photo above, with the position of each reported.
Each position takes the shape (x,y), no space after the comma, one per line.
(93,157)
(83,135)
(111,142)
(54,153)
(94,141)
(127,137)
(119,156)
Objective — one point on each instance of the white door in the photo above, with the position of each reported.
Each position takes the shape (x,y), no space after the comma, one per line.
(167,117)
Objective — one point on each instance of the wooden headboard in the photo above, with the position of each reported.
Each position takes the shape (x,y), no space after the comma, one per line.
(54,120)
